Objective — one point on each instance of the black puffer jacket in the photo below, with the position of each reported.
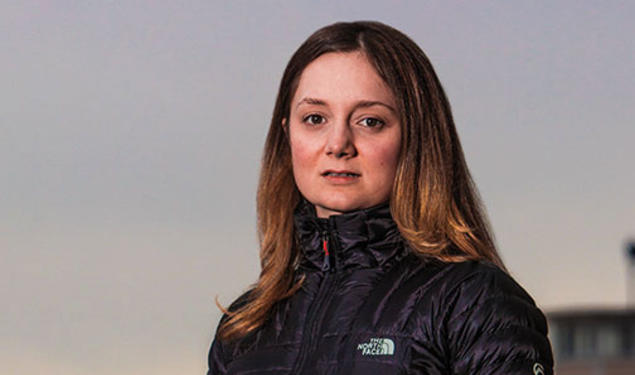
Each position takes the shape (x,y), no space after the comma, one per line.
(371,306)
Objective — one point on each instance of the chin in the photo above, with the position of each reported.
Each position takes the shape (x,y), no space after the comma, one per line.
(339,207)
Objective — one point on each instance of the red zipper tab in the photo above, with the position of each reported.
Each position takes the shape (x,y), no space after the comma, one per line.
(325,246)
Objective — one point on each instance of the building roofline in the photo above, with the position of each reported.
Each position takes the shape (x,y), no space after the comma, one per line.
(589,312)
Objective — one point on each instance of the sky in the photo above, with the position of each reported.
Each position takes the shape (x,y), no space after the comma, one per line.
(131,134)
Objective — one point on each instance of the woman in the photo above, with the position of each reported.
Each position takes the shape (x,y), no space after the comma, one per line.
(376,255)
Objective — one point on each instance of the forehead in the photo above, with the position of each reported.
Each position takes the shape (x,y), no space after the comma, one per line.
(342,77)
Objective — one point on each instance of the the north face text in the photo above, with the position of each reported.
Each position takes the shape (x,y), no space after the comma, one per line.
(377,346)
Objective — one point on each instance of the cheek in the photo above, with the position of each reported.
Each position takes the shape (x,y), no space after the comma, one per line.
(301,156)
(385,159)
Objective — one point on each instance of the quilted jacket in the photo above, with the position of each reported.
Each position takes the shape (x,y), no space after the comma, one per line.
(370,305)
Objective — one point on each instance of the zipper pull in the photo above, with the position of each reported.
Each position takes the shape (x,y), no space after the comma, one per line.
(325,246)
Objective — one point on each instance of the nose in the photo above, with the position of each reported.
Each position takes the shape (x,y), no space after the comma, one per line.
(340,141)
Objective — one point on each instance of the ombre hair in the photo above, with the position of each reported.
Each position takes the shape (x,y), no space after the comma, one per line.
(434,201)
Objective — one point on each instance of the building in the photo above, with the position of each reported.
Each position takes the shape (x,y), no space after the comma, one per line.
(593,341)
(597,341)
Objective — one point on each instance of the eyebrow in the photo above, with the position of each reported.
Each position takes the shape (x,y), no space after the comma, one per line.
(312,101)
(359,104)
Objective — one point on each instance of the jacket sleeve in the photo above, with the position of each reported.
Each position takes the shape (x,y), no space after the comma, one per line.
(215,360)
(220,353)
(494,327)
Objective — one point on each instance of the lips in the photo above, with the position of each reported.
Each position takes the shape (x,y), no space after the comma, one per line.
(340,173)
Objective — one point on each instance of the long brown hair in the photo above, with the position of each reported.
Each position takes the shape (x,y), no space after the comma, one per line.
(434,200)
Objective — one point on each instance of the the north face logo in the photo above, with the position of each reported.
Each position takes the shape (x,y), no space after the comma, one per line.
(538,369)
(377,346)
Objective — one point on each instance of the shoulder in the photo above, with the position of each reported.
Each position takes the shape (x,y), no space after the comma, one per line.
(478,318)
(462,283)
(220,351)
(236,305)
(480,281)
(477,293)
(492,325)
(489,297)
(470,290)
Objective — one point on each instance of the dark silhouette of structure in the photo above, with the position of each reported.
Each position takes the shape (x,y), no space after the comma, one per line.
(593,341)
(597,341)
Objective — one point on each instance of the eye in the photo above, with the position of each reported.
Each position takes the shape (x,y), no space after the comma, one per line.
(313,119)
(371,122)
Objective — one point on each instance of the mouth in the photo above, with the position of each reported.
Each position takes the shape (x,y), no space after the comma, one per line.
(334,173)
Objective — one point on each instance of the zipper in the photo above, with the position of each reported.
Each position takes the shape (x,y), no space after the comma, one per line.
(325,247)
(315,315)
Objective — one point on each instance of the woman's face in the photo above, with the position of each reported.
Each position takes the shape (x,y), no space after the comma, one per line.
(345,134)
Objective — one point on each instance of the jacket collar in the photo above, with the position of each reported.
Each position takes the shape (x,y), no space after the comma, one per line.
(357,239)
